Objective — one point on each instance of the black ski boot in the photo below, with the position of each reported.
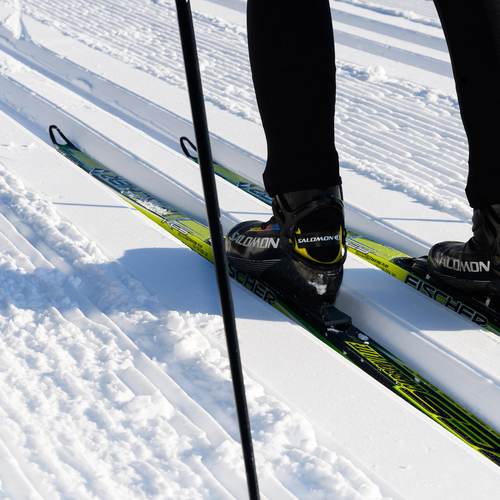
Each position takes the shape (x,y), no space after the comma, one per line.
(300,251)
(473,267)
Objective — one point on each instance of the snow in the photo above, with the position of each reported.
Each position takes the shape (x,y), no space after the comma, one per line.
(81,410)
(114,380)
(14,21)
(418,11)
(400,127)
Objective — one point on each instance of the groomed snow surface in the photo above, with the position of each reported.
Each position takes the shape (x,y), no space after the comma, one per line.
(114,378)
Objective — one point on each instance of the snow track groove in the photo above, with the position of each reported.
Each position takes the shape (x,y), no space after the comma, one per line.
(353,17)
(427,17)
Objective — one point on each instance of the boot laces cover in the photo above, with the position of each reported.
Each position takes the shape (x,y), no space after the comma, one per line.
(312,226)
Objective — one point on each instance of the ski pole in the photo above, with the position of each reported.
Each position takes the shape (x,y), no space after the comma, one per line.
(192,67)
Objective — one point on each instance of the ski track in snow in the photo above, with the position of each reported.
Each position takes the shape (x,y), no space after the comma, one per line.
(84,416)
(430,17)
(406,137)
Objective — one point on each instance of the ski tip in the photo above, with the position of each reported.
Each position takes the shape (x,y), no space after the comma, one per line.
(187,145)
(53,130)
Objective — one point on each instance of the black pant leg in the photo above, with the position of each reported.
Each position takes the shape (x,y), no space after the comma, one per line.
(472,29)
(293,66)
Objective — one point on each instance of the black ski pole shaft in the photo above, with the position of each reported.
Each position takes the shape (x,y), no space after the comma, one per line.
(198,111)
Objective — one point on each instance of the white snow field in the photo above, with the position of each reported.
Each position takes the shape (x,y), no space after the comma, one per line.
(114,378)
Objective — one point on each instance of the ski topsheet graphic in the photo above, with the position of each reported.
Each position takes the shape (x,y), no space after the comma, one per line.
(412,271)
(330,325)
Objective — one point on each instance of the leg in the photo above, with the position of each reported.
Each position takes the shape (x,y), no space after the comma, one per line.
(300,251)
(293,65)
(472,30)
